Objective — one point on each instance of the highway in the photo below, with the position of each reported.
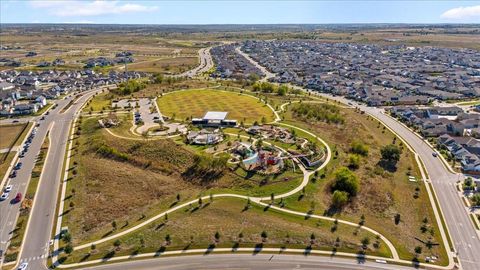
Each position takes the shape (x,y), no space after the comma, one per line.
(248,261)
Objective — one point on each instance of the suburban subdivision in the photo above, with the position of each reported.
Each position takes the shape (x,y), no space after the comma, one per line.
(284,146)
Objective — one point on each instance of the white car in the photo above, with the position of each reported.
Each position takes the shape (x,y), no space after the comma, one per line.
(23,266)
(4,196)
(8,188)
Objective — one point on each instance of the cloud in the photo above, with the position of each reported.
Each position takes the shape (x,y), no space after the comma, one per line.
(462,13)
(66,8)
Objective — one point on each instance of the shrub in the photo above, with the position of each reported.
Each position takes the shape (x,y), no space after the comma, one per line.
(321,112)
(345,180)
(340,198)
(354,161)
(359,148)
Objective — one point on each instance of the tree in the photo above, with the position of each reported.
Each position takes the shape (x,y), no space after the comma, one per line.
(312,238)
(476,199)
(93,247)
(418,250)
(168,239)
(340,198)
(117,243)
(282,90)
(68,248)
(67,237)
(390,156)
(365,242)
(114,225)
(345,180)
(264,236)
(217,236)
(178,197)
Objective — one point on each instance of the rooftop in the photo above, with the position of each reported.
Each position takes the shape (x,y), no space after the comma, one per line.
(215,116)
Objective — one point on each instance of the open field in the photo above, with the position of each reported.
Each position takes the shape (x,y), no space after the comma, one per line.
(5,162)
(147,176)
(382,194)
(195,103)
(196,228)
(173,65)
(10,134)
(75,49)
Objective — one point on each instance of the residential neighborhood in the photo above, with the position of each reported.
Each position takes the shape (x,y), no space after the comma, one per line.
(377,75)
(25,92)
(456,133)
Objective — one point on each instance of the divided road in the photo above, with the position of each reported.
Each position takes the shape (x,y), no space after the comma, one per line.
(38,234)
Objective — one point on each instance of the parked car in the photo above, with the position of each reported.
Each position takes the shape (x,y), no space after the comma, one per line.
(8,188)
(434,154)
(15,121)
(18,166)
(23,266)
(13,174)
(4,196)
(18,198)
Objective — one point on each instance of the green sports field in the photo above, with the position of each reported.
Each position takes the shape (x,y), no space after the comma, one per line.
(195,103)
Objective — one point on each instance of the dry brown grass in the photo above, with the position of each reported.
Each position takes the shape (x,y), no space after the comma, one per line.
(9,133)
(172,65)
(382,194)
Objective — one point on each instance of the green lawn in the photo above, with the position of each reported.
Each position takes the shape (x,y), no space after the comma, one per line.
(99,102)
(195,103)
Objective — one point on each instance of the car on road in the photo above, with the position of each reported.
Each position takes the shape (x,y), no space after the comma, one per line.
(435,154)
(18,198)
(23,266)
(4,196)
(8,188)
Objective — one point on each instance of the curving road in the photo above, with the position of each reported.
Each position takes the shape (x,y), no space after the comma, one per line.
(206,63)
(465,237)
(456,214)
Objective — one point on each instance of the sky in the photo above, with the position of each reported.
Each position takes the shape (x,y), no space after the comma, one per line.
(237,12)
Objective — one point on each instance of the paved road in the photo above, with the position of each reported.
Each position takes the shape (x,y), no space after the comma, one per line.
(42,217)
(265,71)
(206,63)
(465,237)
(35,247)
(8,210)
(247,261)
